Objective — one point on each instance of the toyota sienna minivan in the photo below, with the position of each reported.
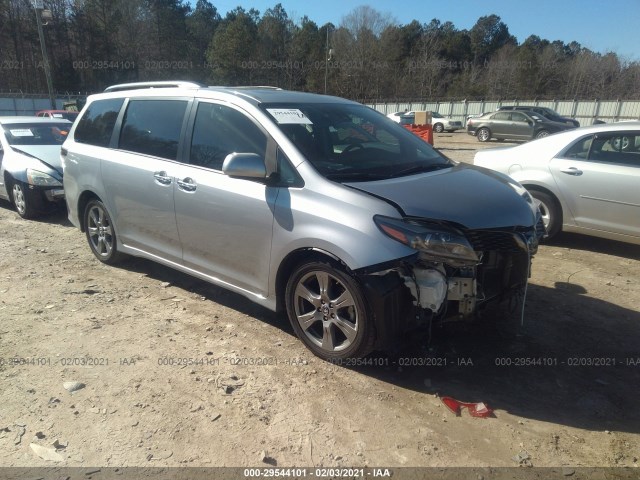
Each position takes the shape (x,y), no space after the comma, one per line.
(304,203)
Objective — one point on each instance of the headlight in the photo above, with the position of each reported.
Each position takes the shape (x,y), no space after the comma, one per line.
(438,242)
(41,179)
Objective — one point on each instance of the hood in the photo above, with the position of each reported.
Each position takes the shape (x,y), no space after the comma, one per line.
(49,154)
(473,197)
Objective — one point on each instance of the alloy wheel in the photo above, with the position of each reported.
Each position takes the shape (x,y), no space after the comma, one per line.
(100,231)
(326,311)
(19,199)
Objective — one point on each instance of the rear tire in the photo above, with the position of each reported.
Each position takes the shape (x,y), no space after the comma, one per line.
(100,233)
(542,134)
(550,210)
(484,135)
(328,312)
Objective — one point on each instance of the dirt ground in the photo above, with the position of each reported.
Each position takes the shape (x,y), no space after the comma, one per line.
(177,372)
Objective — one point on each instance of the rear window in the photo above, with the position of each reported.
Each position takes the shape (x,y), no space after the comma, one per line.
(96,125)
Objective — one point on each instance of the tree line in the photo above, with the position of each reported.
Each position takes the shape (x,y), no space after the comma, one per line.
(367,57)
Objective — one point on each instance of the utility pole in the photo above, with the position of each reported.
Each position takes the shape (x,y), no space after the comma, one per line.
(326,65)
(38,6)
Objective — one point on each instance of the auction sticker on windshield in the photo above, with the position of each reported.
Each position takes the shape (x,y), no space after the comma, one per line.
(22,132)
(289,115)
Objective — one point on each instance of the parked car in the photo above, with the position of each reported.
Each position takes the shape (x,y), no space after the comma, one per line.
(306,203)
(30,167)
(60,114)
(439,122)
(544,111)
(584,180)
(403,118)
(513,125)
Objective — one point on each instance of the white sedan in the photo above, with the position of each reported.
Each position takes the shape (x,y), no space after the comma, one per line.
(439,122)
(402,117)
(585,180)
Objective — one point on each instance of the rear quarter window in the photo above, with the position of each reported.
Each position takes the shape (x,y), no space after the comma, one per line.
(96,125)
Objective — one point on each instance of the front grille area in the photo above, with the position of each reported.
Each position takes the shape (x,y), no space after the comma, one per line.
(492,241)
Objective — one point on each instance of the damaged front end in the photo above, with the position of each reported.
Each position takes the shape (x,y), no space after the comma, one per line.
(454,275)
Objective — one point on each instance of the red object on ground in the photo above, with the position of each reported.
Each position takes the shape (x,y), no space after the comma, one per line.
(425,132)
(475,409)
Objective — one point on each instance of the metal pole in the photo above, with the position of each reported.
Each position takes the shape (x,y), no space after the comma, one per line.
(326,64)
(45,58)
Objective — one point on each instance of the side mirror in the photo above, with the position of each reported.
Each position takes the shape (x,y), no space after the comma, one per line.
(244,165)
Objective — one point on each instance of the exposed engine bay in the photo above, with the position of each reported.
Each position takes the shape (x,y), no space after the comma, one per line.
(454,276)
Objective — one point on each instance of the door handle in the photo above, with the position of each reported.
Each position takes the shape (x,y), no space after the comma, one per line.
(188,184)
(162,178)
(571,171)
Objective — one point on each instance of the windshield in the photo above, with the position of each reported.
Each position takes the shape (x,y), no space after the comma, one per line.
(36,133)
(436,115)
(354,143)
(550,113)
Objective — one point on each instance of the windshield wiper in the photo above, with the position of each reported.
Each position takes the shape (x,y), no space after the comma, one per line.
(352,175)
(421,169)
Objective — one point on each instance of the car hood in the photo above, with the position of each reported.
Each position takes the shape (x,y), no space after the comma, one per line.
(48,154)
(473,197)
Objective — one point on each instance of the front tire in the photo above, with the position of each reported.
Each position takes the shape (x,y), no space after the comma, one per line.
(23,200)
(484,135)
(550,210)
(327,310)
(100,233)
(438,128)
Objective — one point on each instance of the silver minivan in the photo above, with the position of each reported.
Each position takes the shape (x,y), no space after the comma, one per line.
(309,204)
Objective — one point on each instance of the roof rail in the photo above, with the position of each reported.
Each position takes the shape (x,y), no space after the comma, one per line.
(256,87)
(140,85)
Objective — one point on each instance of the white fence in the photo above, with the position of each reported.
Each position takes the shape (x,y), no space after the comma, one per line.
(30,104)
(583,111)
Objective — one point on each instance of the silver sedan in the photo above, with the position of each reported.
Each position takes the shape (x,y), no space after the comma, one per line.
(30,167)
(585,180)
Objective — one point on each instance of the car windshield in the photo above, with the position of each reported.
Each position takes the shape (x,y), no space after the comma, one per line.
(436,115)
(550,113)
(346,142)
(36,133)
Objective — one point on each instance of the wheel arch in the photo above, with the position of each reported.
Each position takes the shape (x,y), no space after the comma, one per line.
(84,198)
(293,260)
(539,188)
(11,175)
